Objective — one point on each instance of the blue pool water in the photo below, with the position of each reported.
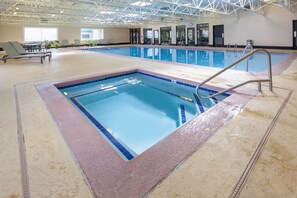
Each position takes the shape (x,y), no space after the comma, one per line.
(209,58)
(135,111)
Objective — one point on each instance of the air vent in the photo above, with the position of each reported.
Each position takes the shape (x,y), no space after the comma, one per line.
(165,8)
(43,20)
(247,6)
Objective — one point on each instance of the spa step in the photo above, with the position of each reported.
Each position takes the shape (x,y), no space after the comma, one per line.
(182,114)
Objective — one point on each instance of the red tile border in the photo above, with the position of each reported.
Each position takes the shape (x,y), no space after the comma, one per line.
(108,174)
(280,67)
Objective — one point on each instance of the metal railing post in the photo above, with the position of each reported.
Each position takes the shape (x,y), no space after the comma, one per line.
(259,86)
(270,72)
(241,84)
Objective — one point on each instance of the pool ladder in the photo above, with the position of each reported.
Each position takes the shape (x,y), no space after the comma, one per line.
(234,47)
(269,79)
(248,46)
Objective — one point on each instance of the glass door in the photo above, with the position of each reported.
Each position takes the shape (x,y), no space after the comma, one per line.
(156,37)
(148,36)
(191,36)
(165,35)
(135,36)
(203,34)
(181,35)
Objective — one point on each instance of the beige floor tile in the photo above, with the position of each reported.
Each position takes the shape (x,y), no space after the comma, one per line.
(212,171)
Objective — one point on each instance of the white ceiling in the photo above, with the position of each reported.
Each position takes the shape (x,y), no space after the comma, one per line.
(125,12)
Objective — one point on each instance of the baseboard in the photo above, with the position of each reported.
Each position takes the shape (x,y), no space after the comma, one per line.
(124,43)
(265,47)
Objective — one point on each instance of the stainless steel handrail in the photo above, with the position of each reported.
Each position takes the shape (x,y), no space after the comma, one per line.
(235,47)
(228,46)
(248,46)
(241,84)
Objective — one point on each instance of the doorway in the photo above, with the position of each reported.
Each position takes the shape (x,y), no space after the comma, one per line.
(202,34)
(218,35)
(147,36)
(135,36)
(294,34)
(191,36)
(181,35)
(156,37)
(165,35)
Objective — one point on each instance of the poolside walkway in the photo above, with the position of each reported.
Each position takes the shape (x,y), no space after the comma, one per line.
(214,170)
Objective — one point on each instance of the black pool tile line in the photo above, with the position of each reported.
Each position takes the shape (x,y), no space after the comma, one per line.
(215,100)
(199,103)
(114,141)
(183,114)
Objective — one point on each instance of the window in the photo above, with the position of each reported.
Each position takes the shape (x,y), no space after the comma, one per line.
(149,34)
(156,34)
(40,34)
(91,34)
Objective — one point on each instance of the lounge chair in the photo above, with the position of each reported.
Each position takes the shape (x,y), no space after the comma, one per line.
(65,43)
(19,48)
(78,43)
(43,46)
(13,54)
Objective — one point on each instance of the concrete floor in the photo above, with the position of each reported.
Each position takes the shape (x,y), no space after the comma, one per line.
(212,171)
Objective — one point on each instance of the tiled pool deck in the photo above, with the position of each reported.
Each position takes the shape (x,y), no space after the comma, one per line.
(133,178)
(214,170)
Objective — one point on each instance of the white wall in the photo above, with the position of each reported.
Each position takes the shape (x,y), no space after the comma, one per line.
(111,34)
(274,28)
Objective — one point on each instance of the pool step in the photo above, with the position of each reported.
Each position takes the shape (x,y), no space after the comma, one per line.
(199,104)
(214,100)
(182,114)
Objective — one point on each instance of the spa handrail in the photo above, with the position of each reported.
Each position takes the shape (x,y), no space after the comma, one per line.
(269,79)
(248,46)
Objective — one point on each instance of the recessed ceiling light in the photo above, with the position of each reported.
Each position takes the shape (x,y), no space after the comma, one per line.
(140,3)
(15,13)
(106,12)
(132,15)
(17,8)
(61,11)
(53,15)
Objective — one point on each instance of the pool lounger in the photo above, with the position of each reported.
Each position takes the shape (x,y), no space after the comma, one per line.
(12,53)
(20,49)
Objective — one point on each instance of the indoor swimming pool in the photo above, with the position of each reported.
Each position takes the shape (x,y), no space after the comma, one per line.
(201,57)
(134,111)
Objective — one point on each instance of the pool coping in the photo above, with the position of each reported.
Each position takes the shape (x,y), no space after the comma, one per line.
(277,68)
(107,173)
